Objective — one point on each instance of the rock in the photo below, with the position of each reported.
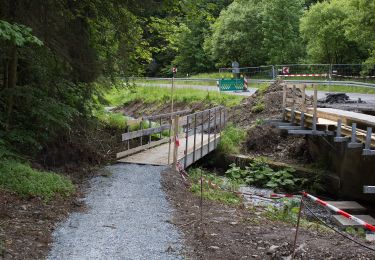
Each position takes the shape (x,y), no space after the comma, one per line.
(23,207)
(272,249)
(214,248)
(254,256)
(233,223)
(213,235)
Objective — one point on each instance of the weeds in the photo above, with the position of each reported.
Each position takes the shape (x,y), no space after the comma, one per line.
(27,182)
(157,95)
(258,107)
(231,139)
(211,193)
(259,173)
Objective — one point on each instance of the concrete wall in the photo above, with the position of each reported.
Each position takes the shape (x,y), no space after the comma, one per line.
(351,171)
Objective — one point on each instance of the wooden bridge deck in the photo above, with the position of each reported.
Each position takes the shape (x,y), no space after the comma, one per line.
(159,155)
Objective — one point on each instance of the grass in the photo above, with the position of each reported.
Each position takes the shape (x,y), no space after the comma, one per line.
(157,95)
(209,192)
(212,75)
(113,120)
(231,139)
(27,182)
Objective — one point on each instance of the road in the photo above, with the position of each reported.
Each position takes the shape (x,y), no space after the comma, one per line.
(127,217)
(369,98)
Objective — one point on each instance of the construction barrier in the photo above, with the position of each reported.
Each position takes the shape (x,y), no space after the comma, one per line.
(340,212)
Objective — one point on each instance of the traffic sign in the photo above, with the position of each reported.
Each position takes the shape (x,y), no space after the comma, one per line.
(285,70)
(174,70)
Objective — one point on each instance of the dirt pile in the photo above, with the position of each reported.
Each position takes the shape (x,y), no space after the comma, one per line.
(267,140)
(266,104)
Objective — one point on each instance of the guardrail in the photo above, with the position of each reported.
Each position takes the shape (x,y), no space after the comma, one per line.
(296,81)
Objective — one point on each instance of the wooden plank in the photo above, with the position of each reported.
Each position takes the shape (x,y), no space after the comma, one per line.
(141,148)
(140,133)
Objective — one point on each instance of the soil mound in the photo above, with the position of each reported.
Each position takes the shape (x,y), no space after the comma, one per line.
(267,140)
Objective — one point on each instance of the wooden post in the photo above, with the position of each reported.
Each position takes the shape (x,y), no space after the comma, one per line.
(303,107)
(195,136)
(297,228)
(202,133)
(187,141)
(315,119)
(284,102)
(175,135)
(293,104)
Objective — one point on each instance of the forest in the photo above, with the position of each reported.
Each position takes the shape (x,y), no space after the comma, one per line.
(58,56)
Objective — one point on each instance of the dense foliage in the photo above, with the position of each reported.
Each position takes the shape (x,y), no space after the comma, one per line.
(55,52)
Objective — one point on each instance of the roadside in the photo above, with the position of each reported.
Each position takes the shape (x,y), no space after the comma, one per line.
(233,232)
(321,94)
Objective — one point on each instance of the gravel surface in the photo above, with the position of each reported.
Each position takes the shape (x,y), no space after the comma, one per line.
(127,218)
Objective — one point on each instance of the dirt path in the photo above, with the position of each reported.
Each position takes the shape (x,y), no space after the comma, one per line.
(127,217)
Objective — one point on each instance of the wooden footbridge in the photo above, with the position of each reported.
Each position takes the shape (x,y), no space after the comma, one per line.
(180,137)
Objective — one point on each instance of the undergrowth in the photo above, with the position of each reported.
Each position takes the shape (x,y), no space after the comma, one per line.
(231,139)
(157,95)
(27,182)
(211,193)
(260,174)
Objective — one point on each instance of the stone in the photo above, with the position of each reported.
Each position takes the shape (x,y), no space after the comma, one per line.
(272,249)
(214,248)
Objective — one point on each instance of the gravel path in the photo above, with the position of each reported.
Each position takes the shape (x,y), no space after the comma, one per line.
(127,218)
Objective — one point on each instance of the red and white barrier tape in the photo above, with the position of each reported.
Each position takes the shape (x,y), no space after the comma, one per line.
(340,212)
(304,75)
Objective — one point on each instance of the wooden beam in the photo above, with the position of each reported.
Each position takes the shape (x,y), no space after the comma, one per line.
(140,133)
(167,114)
(141,148)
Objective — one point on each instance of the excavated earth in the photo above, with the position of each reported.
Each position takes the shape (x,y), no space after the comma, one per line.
(228,232)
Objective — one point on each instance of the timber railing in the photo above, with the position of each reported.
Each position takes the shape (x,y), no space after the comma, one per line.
(145,134)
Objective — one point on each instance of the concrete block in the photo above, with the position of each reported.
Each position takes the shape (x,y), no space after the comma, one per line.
(348,206)
(345,222)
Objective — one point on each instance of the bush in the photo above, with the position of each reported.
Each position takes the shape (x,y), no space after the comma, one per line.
(260,174)
(231,139)
(27,182)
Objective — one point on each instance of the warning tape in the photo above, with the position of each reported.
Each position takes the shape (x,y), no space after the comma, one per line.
(339,211)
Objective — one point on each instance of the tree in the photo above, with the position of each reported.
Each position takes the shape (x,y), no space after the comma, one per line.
(238,34)
(323,27)
(360,26)
(280,26)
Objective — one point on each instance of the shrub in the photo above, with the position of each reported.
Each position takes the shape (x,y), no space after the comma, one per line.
(27,182)
(259,173)
(231,139)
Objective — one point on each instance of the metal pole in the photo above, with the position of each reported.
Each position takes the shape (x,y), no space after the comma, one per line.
(149,126)
(187,139)
(201,201)
(161,132)
(202,132)
(141,126)
(175,135)
(209,128)
(284,102)
(195,135)
(297,228)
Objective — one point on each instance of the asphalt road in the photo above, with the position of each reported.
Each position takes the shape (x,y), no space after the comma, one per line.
(369,98)
(128,217)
